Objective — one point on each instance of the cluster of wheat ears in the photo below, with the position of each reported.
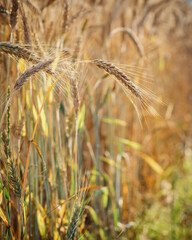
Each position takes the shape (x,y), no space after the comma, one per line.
(49,77)
(20,52)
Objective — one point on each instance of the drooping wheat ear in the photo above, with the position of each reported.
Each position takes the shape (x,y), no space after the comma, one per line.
(23,79)
(31,71)
(119,75)
(75,94)
(18,51)
(21,52)
(14,13)
(13,178)
(71,231)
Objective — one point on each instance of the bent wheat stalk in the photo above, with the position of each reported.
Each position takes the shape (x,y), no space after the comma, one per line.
(132,36)
(23,79)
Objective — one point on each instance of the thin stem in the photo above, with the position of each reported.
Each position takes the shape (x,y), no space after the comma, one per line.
(76,154)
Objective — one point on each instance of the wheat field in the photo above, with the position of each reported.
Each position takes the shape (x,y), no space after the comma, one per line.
(95,119)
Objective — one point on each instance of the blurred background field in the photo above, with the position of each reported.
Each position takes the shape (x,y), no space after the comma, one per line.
(103,169)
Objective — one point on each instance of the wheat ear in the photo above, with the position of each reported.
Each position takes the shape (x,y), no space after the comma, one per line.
(13,178)
(65,15)
(14,13)
(119,75)
(71,231)
(75,94)
(26,29)
(21,52)
(23,79)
